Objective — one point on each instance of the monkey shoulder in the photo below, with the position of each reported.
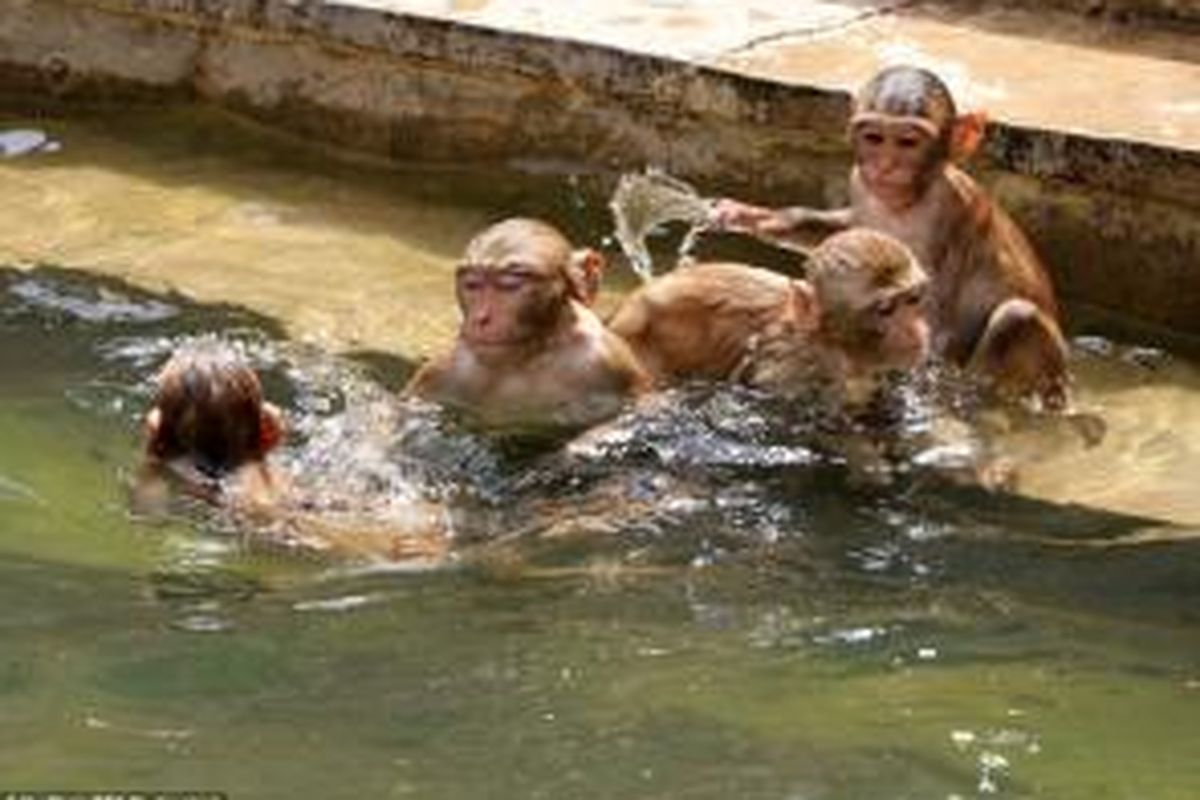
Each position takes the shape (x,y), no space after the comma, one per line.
(438,378)
(587,356)
(254,487)
(1005,261)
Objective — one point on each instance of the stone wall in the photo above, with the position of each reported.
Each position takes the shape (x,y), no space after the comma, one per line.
(1184,14)
(1119,222)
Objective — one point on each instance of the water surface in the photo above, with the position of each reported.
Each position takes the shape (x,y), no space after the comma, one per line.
(704,607)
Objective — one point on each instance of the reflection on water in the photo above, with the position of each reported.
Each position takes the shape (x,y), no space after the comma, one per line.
(1151,403)
(21,142)
(698,600)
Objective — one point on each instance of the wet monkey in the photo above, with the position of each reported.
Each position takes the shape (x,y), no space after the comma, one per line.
(209,433)
(991,304)
(859,314)
(209,427)
(530,351)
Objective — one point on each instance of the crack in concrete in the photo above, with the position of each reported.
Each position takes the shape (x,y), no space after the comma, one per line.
(819,30)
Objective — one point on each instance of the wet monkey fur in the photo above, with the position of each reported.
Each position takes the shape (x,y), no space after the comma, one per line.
(858,315)
(530,350)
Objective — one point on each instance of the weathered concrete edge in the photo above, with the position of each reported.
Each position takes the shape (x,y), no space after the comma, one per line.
(1120,164)
(1179,14)
(406,86)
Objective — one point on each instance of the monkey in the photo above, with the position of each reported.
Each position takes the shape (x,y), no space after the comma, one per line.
(209,427)
(530,352)
(992,306)
(209,433)
(857,316)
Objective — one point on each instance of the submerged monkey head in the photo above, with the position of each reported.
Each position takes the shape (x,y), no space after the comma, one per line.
(208,408)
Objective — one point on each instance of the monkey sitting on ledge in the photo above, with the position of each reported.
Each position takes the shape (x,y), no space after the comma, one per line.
(991,304)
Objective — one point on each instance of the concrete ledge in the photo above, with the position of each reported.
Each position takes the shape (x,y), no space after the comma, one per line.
(1184,14)
(1117,219)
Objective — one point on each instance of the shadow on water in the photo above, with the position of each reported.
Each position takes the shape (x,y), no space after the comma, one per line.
(61,308)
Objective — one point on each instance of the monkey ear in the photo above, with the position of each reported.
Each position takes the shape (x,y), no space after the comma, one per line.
(805,309)
(271,429)
(584,272)
(967,135)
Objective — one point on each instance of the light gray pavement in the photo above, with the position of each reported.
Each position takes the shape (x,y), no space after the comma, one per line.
(1041,69)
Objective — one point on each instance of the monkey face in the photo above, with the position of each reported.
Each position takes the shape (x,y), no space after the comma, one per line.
(512,286)
(871,292)
(879,330)
(896,158)
(900,323)
(507,304)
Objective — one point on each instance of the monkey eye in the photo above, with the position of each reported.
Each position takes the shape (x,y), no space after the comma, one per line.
(510,280)
(872,137)
(908,142)
(470,278)
(890,305)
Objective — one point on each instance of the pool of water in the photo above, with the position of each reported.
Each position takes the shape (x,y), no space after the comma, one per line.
(695,606)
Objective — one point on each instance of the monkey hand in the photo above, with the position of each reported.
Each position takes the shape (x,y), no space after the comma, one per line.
(738,217)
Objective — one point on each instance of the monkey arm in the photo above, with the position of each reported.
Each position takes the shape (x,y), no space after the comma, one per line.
(794,227)
(800,228)
(796,221)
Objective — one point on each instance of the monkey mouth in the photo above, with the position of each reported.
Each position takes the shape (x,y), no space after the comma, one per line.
(892,186)
(495,342)
(896,196)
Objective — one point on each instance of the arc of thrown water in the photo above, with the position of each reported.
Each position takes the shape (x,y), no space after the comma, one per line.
(645,201)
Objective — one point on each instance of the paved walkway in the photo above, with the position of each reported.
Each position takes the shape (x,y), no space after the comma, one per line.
(1032,68)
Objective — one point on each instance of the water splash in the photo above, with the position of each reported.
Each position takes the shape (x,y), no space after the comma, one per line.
(643,203)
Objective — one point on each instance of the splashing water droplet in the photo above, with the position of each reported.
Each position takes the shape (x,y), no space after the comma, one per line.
(643,203)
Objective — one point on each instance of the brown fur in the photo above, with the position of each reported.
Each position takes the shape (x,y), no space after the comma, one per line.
(904,184)
(530,351)
(734,322)
(209,431)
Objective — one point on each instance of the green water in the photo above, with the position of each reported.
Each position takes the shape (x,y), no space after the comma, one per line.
(708,623)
